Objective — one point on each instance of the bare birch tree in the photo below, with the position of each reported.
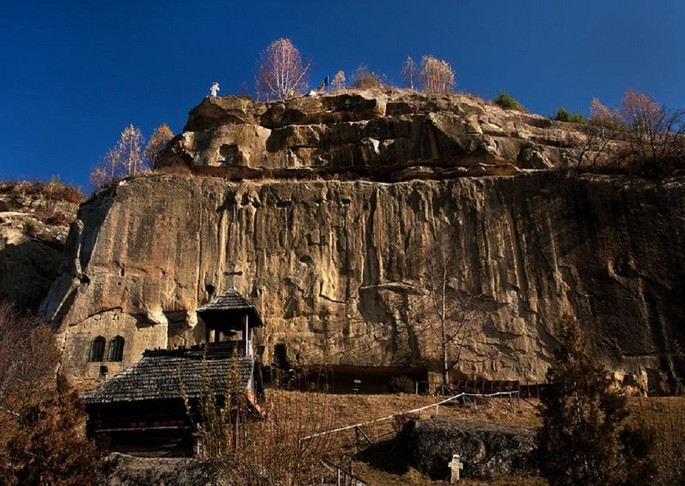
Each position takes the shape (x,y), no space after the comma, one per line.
(436,75)
(130,156)
(409,75)
(339,81)
(125,159)
(656,135)
(280,72)
(452,315)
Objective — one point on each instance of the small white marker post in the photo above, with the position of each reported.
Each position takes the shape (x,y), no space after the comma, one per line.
(455,466)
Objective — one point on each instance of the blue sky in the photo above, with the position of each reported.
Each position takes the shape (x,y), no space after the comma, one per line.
(75,73)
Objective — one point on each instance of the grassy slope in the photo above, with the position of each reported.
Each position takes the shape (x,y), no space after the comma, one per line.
(666,415)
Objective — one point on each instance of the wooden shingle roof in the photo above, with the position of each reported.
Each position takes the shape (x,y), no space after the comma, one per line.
(230,302)
(159,374)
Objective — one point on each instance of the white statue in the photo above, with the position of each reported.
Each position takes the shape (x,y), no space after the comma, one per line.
(214,89)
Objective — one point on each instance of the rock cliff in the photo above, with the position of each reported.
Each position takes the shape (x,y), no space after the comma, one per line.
(34,221)
(327,206)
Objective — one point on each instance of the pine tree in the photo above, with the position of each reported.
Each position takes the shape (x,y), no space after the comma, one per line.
(584,438)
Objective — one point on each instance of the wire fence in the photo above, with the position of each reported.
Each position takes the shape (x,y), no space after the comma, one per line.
(459,396)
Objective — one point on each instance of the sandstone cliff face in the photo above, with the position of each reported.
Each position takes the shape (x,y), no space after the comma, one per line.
(337,268)
(328,205)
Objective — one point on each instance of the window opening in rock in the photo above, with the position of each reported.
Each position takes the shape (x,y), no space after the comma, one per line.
(281,357)
(116,349)
(97,349)
(229,154)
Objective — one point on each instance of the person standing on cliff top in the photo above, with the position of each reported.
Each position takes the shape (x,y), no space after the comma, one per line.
(214,89)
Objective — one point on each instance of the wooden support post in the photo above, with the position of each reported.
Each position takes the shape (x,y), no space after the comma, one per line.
(359,432)
(248,350)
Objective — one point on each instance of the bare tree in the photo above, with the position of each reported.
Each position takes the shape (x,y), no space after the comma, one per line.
(655,136)
(280,72)
(598,132)
(129,150)
(126,159)
(436,75)
(158,140)
(409,75)
(42,438)
(339,80)
(603,116)
(454,316)
(130,156)
(106,171)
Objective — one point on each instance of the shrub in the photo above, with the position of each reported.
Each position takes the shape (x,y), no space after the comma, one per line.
(57,190)
(564,115)
(508,102)
(275,449)
(365,79)
(59,219)
(401,384)
(28,228)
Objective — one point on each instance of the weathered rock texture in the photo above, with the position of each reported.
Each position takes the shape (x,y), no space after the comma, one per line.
(33,228)
(486,450)
(384,136)
(336,265)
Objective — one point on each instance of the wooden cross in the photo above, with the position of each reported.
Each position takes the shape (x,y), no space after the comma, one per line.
(231,273)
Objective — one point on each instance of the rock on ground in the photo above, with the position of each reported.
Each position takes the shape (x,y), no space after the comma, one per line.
(487,450)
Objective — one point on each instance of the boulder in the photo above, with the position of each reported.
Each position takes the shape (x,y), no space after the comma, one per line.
(486,450)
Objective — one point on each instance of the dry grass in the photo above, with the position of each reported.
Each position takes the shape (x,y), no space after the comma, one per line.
(666,417)
(346,410)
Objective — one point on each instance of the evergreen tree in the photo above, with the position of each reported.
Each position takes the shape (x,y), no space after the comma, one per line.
(584,438)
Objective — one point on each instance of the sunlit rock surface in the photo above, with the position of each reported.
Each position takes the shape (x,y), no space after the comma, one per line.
(327,206)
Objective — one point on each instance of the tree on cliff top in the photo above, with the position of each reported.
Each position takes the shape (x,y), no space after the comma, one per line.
(158,140)
(409,73)
(436,75)
(654,134)
(584,438)
(280,71)
(130,156)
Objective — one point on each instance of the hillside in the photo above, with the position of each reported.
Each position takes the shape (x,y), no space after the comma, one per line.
(34,222)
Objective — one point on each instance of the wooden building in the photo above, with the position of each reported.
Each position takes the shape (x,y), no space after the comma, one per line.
(142,409)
